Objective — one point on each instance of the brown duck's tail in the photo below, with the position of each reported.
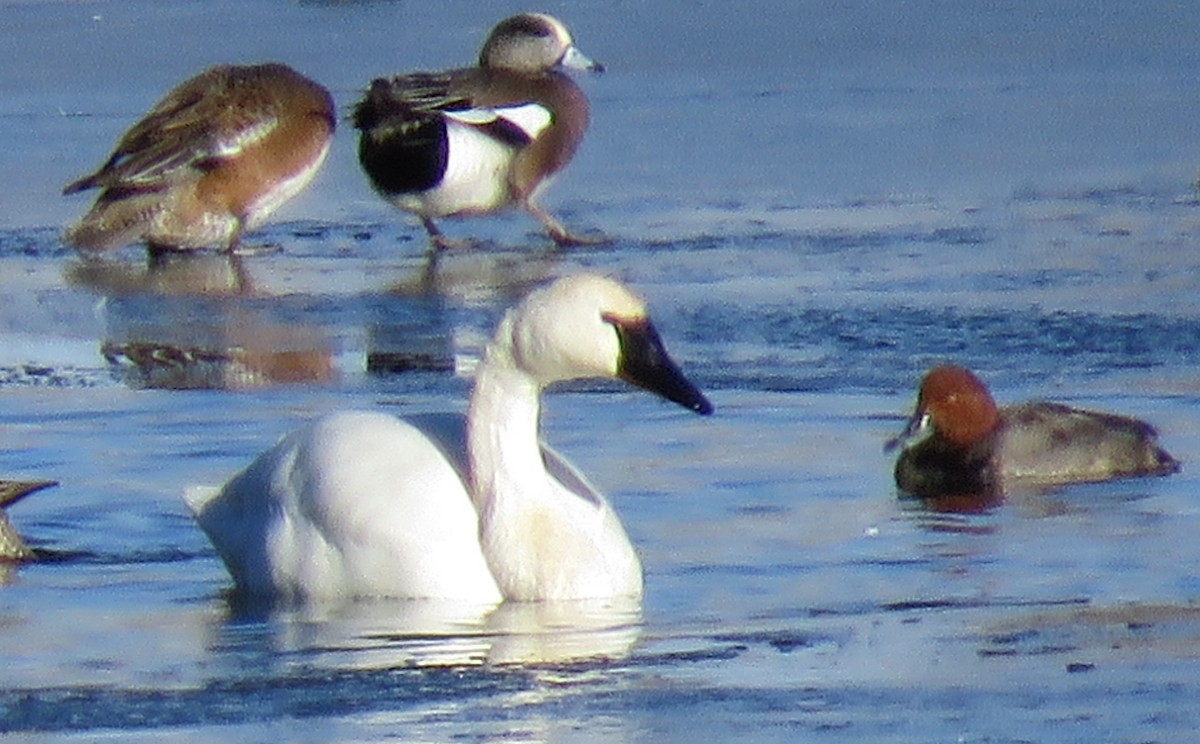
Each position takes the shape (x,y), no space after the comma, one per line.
(89,181)
(113,222)
(13,491)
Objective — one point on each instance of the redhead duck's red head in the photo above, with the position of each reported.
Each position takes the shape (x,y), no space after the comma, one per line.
(955,406)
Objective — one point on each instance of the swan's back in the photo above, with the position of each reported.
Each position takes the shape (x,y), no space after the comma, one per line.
(354,504)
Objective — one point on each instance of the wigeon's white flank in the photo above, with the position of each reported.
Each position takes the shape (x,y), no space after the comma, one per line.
(476,140)
(959,441)
(471,508)
(213,159)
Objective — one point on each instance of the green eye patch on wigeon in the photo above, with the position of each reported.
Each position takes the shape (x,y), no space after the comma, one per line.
(477,140)
(214,158)
(958,441)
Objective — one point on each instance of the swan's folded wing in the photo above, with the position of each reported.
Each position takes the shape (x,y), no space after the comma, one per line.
(571,479)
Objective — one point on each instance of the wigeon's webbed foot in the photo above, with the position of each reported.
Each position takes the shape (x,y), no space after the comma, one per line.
(560,234)
(442,243)
(570,240)
(439,242)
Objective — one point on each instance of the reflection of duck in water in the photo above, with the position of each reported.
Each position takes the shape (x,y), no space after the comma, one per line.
(167,275)
(214,158)
(472,508)
(185,322)
(426,333)
(959,442)
(12,547)
(263,360)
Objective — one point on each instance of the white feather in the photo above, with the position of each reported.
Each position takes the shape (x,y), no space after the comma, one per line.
(476,177)
(530,118)
(242,138)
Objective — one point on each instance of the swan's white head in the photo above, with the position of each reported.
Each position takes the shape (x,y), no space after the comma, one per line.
(588,326)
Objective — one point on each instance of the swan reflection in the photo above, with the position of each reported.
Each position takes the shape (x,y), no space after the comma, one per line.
(398,633)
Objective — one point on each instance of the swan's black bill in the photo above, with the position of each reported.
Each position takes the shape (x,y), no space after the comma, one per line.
(645,363)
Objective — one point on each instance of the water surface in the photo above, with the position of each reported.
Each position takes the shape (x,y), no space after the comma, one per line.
(818,205)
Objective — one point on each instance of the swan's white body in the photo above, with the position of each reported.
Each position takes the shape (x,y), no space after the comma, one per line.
(442,506)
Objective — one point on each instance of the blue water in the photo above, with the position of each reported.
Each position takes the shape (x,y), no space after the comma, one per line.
(818,203)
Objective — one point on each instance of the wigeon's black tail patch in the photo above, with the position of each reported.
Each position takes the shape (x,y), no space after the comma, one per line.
(405,156)
(403,147)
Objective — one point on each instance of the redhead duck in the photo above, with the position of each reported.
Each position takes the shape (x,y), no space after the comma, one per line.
(471,508)
(959,441)
(12,547)
(479,139)
(214,158)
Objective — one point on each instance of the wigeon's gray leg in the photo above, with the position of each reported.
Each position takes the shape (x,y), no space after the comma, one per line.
(235,240)
(439,241)
(560,234)
(242,284)
(235,247)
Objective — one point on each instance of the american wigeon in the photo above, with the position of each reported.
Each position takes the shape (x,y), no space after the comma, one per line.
(12,547)
(212,159)
(959,441)
(479,139)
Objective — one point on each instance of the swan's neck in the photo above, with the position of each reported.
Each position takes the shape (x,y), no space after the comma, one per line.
(509,482)
(502,438)
(540,539)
